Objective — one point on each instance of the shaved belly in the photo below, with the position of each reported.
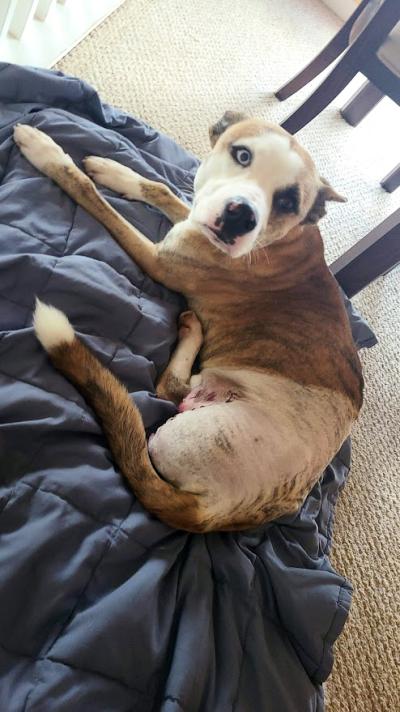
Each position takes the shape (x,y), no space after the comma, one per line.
(250,437)
(210,389)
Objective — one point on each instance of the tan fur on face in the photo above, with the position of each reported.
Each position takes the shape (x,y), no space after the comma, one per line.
(272,147)
(278,163)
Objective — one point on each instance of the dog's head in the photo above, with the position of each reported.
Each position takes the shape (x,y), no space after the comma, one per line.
(256,185)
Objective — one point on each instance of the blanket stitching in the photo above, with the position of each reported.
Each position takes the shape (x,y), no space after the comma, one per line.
(94,129)
(100,674)
(34,237)
(106,549)
(74,506)
(36,677)
(21,229)
(33,456)
(50,276)
(42,658)
(70,228)
(136,324)
(71,504)
(61,254)
(17,304)
(140,290)
(46,390)
(105,362)
(121,143)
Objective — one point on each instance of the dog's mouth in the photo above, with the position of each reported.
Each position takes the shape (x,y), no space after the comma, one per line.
(233,227)
(214,235)
(234,248)
(212,231)
(230,216)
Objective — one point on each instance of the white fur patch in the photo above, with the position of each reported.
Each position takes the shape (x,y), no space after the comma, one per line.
(51,326)
(275,161)
(38,148)
(275,165)
(114,175)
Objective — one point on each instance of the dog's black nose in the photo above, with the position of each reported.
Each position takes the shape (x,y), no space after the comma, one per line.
(237,219)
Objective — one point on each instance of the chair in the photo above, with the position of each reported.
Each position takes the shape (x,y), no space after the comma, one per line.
(370,43)
(371,257)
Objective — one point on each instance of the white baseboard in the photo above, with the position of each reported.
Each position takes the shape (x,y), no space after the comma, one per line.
(44,42)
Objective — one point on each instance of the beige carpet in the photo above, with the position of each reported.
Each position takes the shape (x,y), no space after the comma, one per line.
(179,64)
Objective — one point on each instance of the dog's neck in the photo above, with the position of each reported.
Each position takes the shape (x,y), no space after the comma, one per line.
(281,265)
(288,261)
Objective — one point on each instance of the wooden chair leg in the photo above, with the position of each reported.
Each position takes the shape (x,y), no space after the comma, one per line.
(316,66)
(376,254)
(334,83)
(392,180)
(361,103)
(331,51)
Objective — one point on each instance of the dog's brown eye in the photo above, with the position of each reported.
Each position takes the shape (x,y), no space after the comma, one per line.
(241,155)
(287,201)
(285,205)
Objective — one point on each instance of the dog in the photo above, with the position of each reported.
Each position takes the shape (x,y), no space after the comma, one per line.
(279,382)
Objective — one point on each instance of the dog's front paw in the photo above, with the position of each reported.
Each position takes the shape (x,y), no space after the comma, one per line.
(115,176)
(38,148)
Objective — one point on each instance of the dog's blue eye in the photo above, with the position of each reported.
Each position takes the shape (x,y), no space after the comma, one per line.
(241,155)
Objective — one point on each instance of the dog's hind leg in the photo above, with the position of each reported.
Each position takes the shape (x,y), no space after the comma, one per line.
(174,382)
(133,186)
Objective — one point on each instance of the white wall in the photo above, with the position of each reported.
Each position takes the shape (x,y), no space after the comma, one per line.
(40,32)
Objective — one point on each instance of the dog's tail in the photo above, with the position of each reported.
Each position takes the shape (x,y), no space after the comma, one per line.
(120,419)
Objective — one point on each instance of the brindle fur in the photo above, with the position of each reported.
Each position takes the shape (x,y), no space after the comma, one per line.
(277,311)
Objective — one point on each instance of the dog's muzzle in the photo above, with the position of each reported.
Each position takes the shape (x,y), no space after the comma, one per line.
(238,218)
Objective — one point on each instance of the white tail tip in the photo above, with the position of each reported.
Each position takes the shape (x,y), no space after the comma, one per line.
(51,326)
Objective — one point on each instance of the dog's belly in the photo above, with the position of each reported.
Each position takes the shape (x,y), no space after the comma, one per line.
(220,450)
(273,433)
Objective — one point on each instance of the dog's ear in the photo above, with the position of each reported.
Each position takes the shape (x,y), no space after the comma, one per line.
(229,118)
(318,208)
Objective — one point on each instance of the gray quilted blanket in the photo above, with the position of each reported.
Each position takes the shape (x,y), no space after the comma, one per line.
(102,607)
